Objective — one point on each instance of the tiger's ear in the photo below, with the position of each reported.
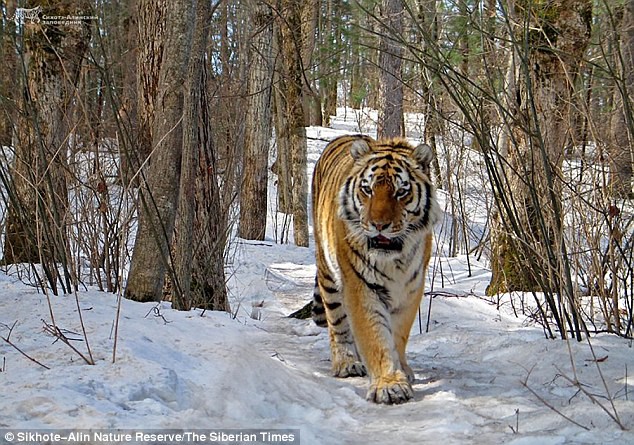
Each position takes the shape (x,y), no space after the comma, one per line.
(359,148)
(423,156)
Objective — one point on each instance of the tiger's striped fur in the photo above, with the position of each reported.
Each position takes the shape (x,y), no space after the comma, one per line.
(373,211)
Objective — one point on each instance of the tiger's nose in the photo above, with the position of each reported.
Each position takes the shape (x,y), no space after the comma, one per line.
(380,226)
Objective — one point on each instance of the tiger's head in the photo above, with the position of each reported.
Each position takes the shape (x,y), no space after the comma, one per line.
(388,196)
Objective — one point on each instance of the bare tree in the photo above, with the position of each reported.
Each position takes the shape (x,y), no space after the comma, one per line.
(427,21)
(253,195)
(209,290)
(151,28)
(36,229)
(549,44)
(134,149)
(291,79)
(390,122)
(159,192)
(199,271)
(8,70)
(184,233)
(622,121)
(312,101)
(330,65)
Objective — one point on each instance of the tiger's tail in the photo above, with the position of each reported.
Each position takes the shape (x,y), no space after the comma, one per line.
(318,311)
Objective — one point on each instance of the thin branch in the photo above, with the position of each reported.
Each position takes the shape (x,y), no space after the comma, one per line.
(595,399)
(10,343)
(549,405)
(58,334)
(83,328)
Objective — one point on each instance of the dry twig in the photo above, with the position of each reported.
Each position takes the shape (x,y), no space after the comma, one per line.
(60,335)
(8,341)
(549,405)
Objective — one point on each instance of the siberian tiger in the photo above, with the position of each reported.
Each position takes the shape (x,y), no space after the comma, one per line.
(373,210)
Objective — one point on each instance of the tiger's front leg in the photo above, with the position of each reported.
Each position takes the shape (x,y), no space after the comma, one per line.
(343,353)
(373,332)
(402,320)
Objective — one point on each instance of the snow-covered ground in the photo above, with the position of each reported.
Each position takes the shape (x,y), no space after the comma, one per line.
(483,375)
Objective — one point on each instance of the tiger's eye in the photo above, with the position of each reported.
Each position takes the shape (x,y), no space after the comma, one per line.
(401,193)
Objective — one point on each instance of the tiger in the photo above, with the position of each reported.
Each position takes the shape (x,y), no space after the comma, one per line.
(373,209)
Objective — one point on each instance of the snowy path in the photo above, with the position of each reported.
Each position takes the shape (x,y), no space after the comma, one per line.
(469,368)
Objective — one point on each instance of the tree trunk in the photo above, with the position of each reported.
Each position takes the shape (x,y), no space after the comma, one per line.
(390,122)
(159,193)
(528,252)
(209,289)
(36,230)
(184,233)
(8,72)
(362,59)
(292,76)
(151,28)
(463,42)
(622,120)
(428,19)
(225,65)
(254,192)
(312,102)
(131,153)
(282,165)
(331,64)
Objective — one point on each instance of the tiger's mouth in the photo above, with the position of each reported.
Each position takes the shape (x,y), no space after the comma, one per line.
(381,242)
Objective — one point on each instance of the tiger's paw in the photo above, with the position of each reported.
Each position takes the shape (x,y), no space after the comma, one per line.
(393,390)
(349,368)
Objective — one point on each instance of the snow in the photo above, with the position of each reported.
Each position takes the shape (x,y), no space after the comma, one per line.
(483,374)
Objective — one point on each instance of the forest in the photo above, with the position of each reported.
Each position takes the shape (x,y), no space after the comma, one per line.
(163,113)
(145,143)
(140,137)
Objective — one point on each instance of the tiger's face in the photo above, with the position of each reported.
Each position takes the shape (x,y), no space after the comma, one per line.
(388,195)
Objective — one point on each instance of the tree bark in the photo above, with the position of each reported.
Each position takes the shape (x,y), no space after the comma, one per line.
(282,165)
(184,233)
(254,191)
(622,120)
(132,154)
(8,72)
(312,102)
(209,289)
(292,81)
(159,193)
(390,122)
(428,20)
(331,65)
(151,29)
